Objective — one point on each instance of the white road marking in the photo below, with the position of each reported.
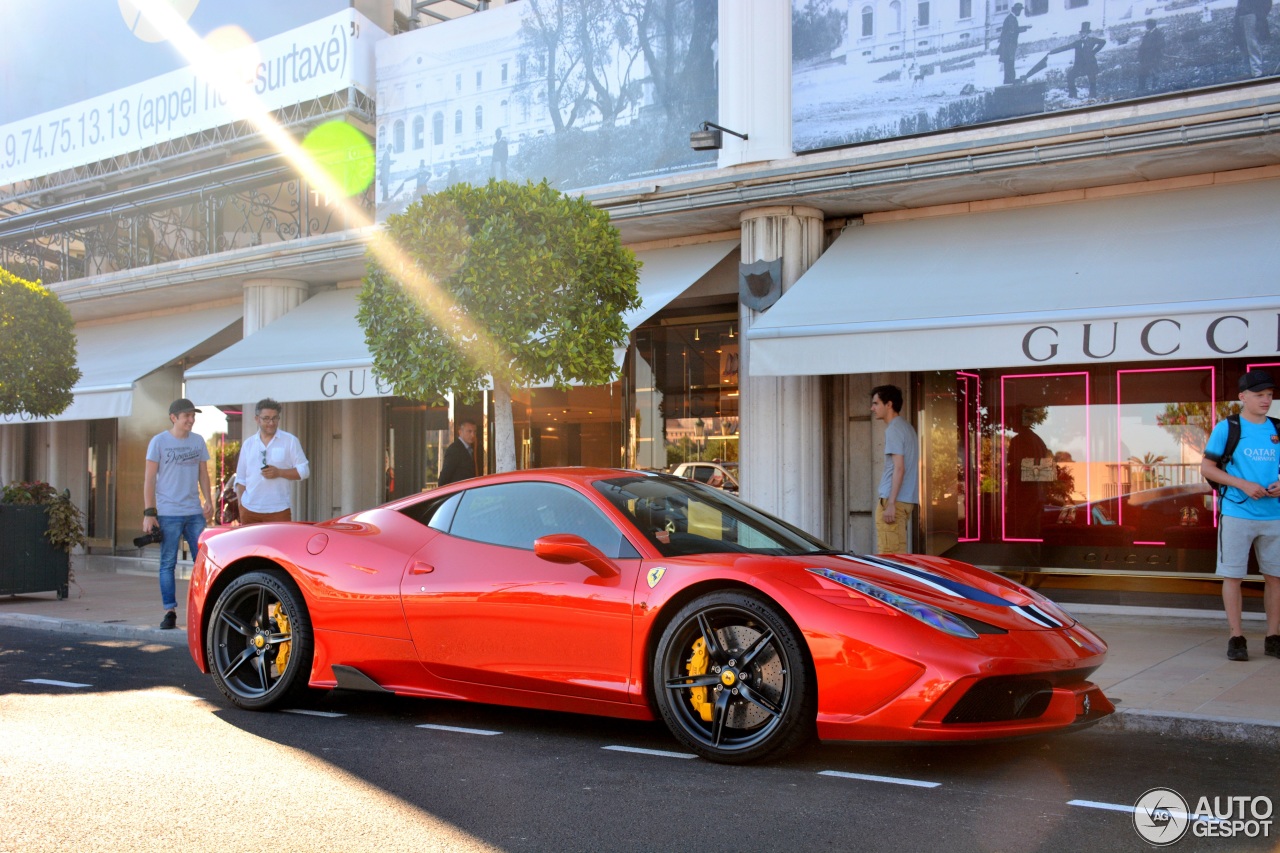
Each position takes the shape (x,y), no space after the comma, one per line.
(659,752)
(892,780)
(457,729)
(311,713)
(54,683)
(1115,807)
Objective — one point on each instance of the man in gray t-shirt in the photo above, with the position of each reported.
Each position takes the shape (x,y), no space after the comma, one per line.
(177,478)
(899,491)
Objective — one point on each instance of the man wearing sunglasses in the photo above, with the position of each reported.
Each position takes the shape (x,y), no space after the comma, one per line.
(270,460)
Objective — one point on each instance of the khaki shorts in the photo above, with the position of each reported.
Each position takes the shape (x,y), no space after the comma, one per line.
(894,538)
(1237,535)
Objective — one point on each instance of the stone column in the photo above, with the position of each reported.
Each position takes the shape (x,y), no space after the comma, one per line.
(781,446)
(265,300)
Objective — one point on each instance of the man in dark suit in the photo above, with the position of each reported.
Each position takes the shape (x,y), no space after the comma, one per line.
(1008,49)
(460,457)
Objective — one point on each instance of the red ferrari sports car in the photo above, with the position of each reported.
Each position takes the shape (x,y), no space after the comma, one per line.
(636,595)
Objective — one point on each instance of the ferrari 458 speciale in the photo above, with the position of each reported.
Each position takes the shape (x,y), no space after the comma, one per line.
(636,595)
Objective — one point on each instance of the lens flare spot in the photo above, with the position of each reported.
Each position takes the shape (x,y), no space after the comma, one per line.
(237,56)
(344,154)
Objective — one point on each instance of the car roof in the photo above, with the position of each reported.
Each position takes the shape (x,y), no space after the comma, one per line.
(581,475)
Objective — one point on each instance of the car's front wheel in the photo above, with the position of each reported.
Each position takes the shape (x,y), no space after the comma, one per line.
(259,641)
(732,681)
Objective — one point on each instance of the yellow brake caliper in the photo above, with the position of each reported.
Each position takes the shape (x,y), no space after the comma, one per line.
(698,666)
(282,626)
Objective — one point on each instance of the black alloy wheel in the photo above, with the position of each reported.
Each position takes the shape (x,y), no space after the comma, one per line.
(732,680)
(259,641)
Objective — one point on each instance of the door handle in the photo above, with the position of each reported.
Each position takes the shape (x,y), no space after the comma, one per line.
(421,568)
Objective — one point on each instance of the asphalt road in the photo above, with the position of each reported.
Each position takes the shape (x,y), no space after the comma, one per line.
(131,748)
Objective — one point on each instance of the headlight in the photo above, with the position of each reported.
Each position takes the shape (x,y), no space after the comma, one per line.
(931,616)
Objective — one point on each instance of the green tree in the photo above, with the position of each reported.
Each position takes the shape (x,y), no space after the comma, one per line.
(37,349)
(514,284)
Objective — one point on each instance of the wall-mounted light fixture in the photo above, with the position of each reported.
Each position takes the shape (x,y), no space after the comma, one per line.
(709,137)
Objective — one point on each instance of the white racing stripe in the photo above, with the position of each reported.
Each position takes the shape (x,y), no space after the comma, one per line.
(662,753)
(311,713)
(457,729)
(887,566)
(53,683)
(892,780)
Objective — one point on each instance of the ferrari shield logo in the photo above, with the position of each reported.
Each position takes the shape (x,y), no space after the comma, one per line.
(655,575)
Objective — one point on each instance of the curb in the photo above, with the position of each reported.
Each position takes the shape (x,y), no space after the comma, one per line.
(1193,726)
(97,629)
(1154,612)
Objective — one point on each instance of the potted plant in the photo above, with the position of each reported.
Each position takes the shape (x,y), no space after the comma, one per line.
(38,528)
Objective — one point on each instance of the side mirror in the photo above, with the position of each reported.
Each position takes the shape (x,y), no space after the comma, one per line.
(568,548)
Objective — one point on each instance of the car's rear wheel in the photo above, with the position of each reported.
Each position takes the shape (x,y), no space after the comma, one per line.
(732,681)
(259,641)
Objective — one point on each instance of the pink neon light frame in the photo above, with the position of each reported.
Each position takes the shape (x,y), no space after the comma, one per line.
(972,466)
(1213,414)
(1004,450)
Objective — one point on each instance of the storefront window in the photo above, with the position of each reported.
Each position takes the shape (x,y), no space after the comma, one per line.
(580,425)
(684,381)
(417,435)
(1089,469)
(100,512)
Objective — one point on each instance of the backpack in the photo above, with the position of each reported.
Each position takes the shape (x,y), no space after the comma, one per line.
(1233,439)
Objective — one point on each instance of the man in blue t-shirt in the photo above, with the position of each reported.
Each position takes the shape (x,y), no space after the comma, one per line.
(1250,509)
(899,490)
(176,480)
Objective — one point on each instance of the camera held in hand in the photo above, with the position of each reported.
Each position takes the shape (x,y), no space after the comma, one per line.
(152,538)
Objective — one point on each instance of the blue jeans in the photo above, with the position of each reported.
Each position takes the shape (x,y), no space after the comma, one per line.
(173,528)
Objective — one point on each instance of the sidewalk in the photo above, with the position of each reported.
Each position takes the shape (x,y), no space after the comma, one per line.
(1167,669)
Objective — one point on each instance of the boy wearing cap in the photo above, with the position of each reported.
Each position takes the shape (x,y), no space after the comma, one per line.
(1250,509)
(177,478)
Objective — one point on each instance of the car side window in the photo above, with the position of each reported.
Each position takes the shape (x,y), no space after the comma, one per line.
(436,513)
(515,514)
(702,473)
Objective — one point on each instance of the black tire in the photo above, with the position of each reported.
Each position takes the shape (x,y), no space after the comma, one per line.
(755,677)
(246,640)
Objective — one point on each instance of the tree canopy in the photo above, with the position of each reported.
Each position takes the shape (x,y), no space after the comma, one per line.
(37,349)
(514,284)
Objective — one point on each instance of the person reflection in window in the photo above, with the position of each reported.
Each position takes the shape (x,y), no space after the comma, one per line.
(1030,470)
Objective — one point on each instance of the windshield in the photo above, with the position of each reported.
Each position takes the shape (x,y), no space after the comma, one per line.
(681,517)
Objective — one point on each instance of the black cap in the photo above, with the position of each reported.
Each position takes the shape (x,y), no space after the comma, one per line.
(177,407)
(1256,380)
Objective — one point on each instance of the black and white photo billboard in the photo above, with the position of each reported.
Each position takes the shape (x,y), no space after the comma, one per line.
(581,93)
(867,70)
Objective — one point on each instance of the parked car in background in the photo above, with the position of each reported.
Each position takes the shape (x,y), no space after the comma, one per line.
(712,473)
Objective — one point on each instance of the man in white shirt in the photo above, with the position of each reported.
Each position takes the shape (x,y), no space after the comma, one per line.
(269,460)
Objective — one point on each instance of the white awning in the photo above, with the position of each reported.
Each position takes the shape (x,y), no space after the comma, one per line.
(112,356)
(667,273)
(1173,275)
(316,351)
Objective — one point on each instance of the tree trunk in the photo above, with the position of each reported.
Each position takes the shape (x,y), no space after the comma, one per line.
(504,434)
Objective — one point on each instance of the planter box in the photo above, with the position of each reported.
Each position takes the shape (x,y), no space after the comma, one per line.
(28,563)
